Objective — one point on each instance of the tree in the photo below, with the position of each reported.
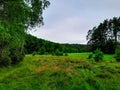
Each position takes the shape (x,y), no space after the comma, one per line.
(16,16)
(98,55)
(42,50)
(105,35)
(4,47)
(117,53)
(114,26)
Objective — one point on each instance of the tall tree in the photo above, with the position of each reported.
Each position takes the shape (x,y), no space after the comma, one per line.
(16,16)
(105,35)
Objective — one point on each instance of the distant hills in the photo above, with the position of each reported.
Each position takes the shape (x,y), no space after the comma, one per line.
(41,46)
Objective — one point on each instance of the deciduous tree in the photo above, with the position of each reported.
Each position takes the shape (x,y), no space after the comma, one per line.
(16,16)
(105,35)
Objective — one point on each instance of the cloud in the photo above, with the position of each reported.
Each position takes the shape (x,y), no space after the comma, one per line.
(68,30)
(67,21)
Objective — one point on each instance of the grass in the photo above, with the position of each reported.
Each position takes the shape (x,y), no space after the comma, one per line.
(85,55)
(47,72)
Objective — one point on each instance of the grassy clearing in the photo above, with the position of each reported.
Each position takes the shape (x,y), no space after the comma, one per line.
(85,55)
(60,73)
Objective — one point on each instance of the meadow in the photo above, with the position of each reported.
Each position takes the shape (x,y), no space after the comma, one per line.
(72,72)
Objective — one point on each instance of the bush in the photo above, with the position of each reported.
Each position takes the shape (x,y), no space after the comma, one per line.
(16,56)
(5,61)
(58,53)
(117,53)
(98,55)
(34,53)
(42,51)
(66,54)
(90,56)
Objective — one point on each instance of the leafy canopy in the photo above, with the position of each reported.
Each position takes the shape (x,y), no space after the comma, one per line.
(105,36)
(16,16)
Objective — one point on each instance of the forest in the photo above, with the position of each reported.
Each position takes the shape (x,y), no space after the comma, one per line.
(31,63)
(41,46)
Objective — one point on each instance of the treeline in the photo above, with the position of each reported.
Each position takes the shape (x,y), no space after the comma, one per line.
(41,46)
(76,48)
(34,44)
(106,36)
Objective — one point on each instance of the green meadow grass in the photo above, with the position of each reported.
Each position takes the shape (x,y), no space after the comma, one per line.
(46,72)
(86,54)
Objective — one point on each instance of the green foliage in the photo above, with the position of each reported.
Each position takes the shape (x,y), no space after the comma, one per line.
(5,38)
(16,56)
(75,48)
(85,86)
(66,54)
(90,56)
(98,55)
(117,53)
(60,73)
(15,18)
(43,46)
(42,50)
(34,53)
(105,36)
(6,61)
(58,53)
(75,87)
(97,85)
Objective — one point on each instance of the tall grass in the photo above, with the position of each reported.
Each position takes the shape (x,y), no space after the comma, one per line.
(47,72)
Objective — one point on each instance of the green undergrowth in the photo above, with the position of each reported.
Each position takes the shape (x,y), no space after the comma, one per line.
(60,73)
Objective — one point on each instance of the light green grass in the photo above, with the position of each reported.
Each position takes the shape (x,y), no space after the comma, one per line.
(48,72)
(85,55)
(79,54)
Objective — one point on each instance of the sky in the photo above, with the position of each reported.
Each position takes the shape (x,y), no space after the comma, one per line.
(68,21)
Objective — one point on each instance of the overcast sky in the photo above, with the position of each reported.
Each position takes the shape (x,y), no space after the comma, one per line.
(67,21)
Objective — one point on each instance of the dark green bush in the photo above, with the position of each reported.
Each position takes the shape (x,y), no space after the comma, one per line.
(90,56)
(42,51)
(66,54)
(58,53)
(117,53)
(10,56)
(98,55)
(16,56)
(6,61)
(34,53)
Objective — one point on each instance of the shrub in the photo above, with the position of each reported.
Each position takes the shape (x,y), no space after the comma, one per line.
(58,53)
(16,56)
(6,61)
(90,56)
(98,55)
(34,53)
(66,54)
(117,53)
(42,51)
(52,53)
